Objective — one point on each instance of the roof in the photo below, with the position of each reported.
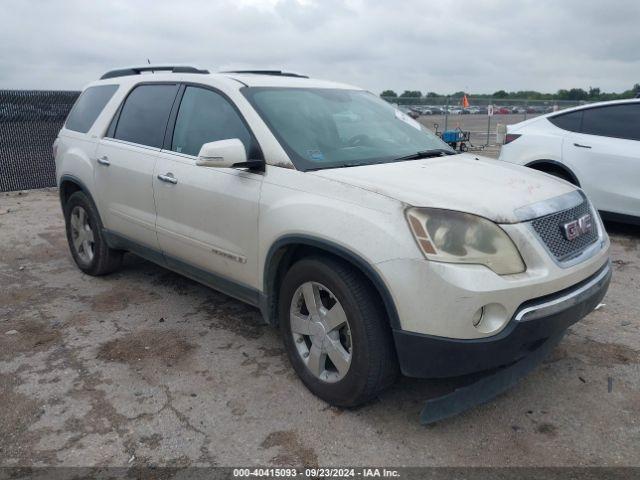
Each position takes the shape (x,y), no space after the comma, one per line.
(572,109)
(251,78)
(591,105)
(261,80)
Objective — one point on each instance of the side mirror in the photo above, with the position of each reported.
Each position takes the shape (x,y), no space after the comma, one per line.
(222,154)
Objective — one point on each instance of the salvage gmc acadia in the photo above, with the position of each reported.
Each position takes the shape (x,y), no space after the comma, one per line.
(373,246)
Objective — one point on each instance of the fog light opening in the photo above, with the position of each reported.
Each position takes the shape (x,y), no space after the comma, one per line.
(477,317)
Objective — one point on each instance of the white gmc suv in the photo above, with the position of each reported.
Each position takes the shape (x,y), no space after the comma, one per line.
(371,244)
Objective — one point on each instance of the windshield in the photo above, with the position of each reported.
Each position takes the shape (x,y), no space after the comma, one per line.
(329,128)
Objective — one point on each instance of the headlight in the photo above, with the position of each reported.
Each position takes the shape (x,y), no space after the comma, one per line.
(456,237)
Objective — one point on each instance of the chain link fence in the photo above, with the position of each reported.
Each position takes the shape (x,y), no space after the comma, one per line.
(29,123)
(480,118)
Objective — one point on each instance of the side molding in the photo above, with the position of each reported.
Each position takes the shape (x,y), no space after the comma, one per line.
(229,287)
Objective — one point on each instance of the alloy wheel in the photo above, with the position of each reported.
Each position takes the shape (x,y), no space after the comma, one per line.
(82,235)
(321,332)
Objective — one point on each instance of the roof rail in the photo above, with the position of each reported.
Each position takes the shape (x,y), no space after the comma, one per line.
(279,73)
(124,72)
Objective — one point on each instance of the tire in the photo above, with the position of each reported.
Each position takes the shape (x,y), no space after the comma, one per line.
(365,337)
(89,247)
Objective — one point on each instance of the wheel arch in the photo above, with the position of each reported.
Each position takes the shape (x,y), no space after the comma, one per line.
(541,165)
(288,249)
(68,185)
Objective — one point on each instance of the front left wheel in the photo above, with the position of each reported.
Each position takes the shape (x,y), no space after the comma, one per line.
(336,332)
(86,240)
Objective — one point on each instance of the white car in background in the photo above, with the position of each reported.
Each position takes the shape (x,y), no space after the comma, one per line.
(596,147)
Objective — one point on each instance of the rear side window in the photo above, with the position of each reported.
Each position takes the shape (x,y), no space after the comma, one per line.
(568,121)
(144,115)
(88,107)
(206,116)
(617,121)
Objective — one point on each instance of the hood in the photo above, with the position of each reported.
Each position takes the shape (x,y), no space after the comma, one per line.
(464,182)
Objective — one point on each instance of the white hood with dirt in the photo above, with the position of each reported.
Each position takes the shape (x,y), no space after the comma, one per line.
(463,182)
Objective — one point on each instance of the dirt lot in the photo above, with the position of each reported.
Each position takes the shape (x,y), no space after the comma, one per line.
(146,367)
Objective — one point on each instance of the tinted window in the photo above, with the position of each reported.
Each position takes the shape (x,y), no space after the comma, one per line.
(88,107)
(205,116)
(618,121)
(144,115)
(568,121)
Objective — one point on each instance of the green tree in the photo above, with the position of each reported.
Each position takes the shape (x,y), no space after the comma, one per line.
(411,94)
(389,94)
(573,94)
(500,94)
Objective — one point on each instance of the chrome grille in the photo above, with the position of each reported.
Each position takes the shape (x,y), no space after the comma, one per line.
(549,229)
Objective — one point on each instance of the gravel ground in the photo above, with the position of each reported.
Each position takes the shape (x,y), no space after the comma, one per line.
(146,367)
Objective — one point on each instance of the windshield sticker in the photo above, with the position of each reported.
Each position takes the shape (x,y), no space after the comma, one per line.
(315,155)
(407,119)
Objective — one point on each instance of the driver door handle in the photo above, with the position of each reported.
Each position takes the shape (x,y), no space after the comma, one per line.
(581,146)
(168,177)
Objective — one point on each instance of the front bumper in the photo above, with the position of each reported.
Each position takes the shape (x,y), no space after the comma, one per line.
(533,323)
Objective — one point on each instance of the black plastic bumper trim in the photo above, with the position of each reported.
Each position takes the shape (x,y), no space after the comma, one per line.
(427,356)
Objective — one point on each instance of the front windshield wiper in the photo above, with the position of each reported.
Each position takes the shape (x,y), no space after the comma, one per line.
(436,152)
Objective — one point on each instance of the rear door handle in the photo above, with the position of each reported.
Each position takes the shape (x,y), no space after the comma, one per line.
(104,160)
(168,177)
(581,146)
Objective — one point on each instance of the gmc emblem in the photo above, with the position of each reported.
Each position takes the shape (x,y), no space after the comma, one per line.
(577,228)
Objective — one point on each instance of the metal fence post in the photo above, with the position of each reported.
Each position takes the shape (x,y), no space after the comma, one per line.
(488,122)
(446,114)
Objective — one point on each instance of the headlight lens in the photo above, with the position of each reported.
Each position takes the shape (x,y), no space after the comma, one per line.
(456,237)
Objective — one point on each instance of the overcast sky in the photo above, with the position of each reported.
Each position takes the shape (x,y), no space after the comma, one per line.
(444,46)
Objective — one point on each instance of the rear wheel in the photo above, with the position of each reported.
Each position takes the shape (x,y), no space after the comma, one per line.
(86,239)
(336,333)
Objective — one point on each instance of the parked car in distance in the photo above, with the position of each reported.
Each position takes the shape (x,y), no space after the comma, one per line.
(596,147)
(502,111)
(373,246)
(410,112)
(437,110)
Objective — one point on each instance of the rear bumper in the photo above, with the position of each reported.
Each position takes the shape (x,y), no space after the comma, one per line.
(534,322)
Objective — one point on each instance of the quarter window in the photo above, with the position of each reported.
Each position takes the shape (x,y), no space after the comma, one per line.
(88,107)
(617,121)
(145,113)
(568,121)
(206,116)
